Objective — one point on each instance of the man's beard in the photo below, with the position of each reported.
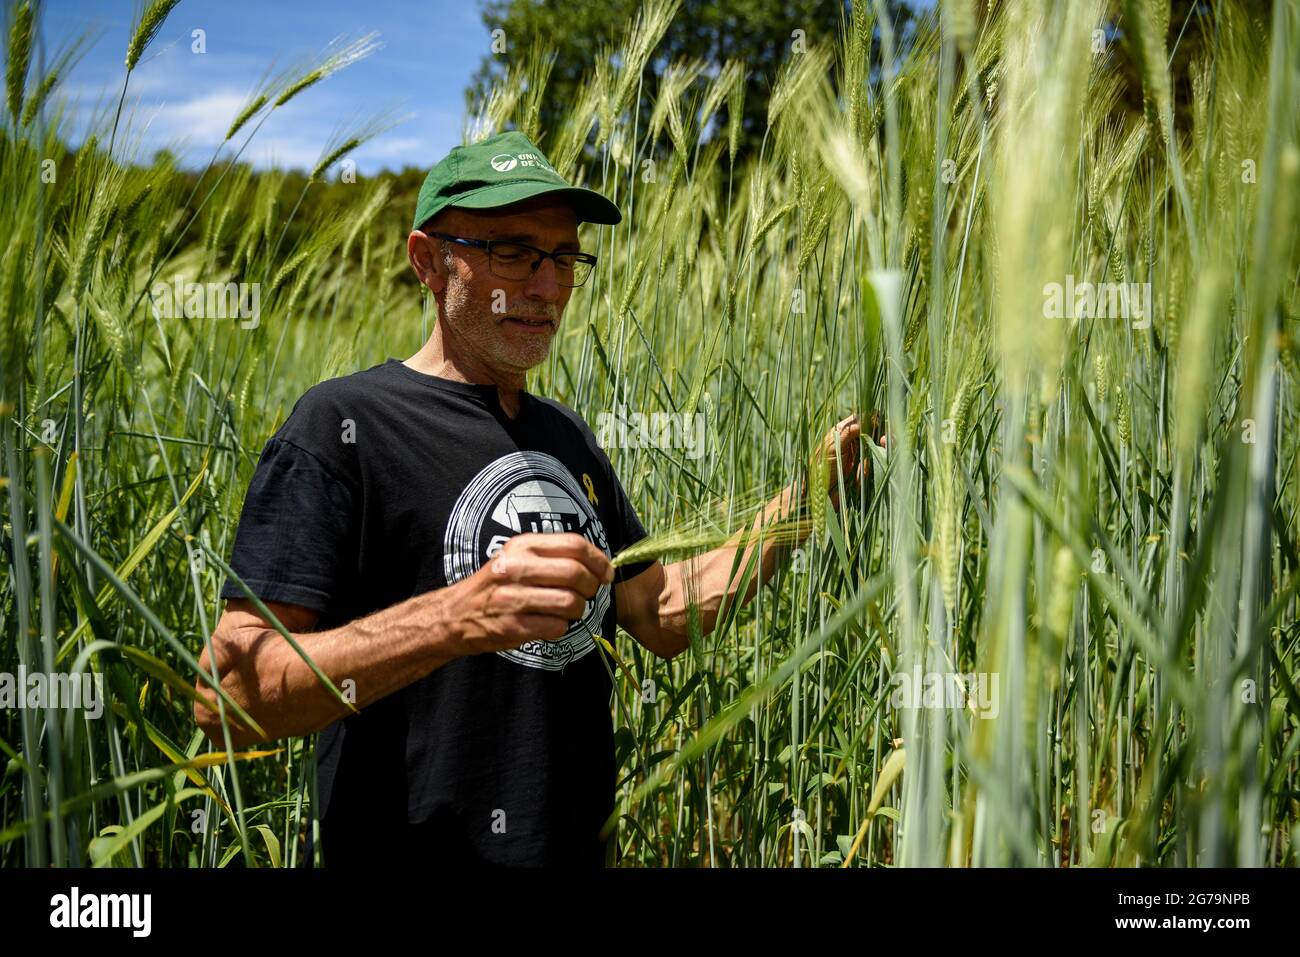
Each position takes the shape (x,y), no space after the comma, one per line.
(482,328)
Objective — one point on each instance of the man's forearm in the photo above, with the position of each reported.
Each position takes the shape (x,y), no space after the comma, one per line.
(378,653)
(715,586)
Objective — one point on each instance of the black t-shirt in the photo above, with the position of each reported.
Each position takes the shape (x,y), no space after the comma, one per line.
(386,484)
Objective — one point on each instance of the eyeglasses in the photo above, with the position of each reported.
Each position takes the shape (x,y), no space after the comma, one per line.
(518,261)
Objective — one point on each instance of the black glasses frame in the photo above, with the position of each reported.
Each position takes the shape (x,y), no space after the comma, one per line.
(490,244)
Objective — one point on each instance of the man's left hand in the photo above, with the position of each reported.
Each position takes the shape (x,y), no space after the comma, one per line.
(841,452)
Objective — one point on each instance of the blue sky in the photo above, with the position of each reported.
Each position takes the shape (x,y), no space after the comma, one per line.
(185,101)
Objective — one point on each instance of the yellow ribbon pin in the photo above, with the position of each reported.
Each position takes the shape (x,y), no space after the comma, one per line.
(591,489)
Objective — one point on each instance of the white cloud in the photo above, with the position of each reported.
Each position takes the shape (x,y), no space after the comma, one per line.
(202,120)
(399,147)
(185,103)
(283,152)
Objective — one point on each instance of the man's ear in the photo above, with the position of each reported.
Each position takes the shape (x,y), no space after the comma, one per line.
(429,267)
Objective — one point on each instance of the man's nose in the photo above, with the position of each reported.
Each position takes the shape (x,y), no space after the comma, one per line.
(542,284)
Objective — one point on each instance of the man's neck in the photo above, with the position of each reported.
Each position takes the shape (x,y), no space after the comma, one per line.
(434,359)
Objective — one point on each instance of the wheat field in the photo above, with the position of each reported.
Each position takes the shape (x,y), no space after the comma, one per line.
(1091,517)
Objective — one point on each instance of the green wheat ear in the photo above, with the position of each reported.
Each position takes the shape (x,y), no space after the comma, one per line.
(669,546)
(150,23)
(20,49)
(676,544)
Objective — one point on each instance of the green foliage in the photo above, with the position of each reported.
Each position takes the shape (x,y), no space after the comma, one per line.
(759,32)
(1100,512)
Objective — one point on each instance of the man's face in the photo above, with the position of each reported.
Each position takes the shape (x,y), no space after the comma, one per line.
(486,315)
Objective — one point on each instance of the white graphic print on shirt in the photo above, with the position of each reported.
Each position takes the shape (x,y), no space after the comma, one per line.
(526,492)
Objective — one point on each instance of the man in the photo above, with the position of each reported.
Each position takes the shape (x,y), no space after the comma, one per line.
(438,540)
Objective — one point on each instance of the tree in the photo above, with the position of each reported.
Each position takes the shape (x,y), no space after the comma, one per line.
(759,32)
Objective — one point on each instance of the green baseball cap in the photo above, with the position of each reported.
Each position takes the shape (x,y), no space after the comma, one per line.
(500,170)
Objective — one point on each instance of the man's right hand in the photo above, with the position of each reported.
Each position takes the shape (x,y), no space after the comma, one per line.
(534,588)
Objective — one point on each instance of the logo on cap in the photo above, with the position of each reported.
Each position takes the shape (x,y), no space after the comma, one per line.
(504,162)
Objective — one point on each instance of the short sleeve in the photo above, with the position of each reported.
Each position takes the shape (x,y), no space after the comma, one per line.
(627,530)
(296,541)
